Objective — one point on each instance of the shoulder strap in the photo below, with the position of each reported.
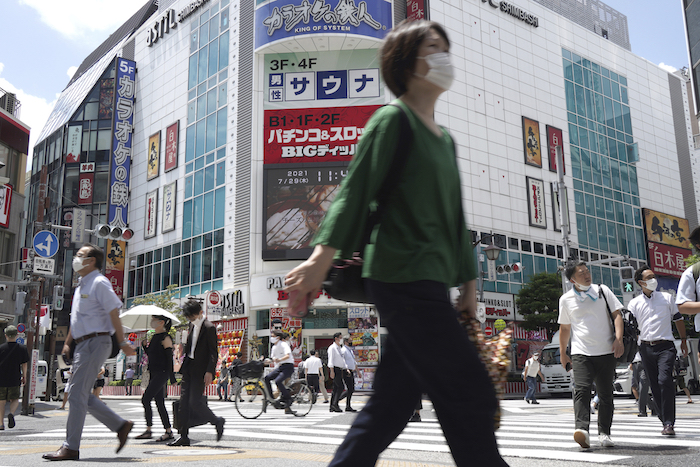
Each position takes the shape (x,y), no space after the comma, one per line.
(696,275)
(602,294)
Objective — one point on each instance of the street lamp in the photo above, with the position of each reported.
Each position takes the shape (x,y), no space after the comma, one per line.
(492,253)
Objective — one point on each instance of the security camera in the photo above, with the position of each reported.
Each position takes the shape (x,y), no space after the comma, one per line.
(3,286)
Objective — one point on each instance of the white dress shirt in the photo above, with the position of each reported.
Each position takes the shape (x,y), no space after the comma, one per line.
(93,300)
(279,350)
(312,365)
(197,326)
(654,315)
(335,357)
(349,357)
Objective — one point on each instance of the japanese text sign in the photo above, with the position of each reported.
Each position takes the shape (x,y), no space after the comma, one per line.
(151,210)
(168,217)
(670,230)
(535,203)
(667,260)
(415,10)
(172,134)
(554,140)
(5,204)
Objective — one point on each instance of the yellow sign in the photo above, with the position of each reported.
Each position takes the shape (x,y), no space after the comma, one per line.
(153,156)
(670,230)
(499,324)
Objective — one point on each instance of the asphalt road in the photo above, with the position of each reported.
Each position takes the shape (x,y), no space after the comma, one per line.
(530,435)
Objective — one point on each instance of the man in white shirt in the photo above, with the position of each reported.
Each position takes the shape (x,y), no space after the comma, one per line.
(585,318)
(281,355)
(654,312)
(336,368)
(532,369)
(349,375)
(313,365)
(688,294)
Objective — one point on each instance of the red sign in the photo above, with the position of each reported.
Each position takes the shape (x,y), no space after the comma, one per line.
(85,187)
(87,167)
(327,134)
(171,140)
(554,140)
(5,204)
(488,331)
(666,260)
(415,9)
(214,298)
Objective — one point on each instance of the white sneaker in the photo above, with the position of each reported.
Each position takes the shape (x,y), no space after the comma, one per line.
(605,441)
(582,438)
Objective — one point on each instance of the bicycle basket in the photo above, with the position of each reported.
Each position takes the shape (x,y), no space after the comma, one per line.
(251,370)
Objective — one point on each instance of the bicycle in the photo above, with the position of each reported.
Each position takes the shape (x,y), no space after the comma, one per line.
(252,397)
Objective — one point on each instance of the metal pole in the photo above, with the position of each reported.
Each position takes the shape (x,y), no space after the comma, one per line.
(563,213)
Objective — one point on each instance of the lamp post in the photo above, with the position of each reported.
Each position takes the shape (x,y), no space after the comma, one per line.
(492,253)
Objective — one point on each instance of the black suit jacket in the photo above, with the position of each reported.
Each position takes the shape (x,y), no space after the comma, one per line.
(206,353)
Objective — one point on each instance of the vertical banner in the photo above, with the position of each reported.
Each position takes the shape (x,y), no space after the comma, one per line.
(5,204)
(77,233)
(151,217)
(75,139)
(364,337)
(169,198)
(122,129)
(34,369)
(172,136)
(86,183)
(535,203)
(417,9)
(554,140)
(115,265)
(531,142)
(153,156)
(293,327)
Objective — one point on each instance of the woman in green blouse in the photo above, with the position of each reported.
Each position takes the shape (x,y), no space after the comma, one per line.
(420,250)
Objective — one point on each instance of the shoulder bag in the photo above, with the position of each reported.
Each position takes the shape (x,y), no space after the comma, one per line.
(630,333)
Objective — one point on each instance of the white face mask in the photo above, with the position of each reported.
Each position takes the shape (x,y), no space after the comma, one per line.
(78,264)
(651,284)
(441,72)
(582,288)
(274,339)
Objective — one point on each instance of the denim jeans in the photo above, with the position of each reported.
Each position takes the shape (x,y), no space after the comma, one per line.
(658,363)
(531,385)
(587,370)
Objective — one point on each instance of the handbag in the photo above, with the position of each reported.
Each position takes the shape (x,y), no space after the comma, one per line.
(630,333)
(344,281)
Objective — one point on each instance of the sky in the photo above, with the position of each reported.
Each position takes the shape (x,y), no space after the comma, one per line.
(44,41)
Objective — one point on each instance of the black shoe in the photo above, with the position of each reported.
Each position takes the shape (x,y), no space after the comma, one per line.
(335,409)
(180,441)
(415,417)
(10,420)
(642,415)
(350,409)
(220,428)
(289,411)
(278,404)
(534,402)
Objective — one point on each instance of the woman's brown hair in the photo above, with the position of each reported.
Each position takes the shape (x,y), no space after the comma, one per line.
(400,49)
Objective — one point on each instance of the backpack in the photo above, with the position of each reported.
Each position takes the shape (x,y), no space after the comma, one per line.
(630,335)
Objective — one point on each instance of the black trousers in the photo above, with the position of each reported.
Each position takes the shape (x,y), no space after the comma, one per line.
(193,410)
(406,371)
(338,386)
(156,391)
(658,363)
(599,369)
(279,374)
(313,381)
(349,382)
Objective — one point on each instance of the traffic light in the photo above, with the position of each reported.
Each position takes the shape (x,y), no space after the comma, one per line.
(19,303)
(58,297)
(509,268)
(113,233)
(627,279)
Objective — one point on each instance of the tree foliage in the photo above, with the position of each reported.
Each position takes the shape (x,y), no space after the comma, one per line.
(692,259)
(538,301)
(165,301)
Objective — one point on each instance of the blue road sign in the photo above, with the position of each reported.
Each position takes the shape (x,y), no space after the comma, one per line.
(45,244)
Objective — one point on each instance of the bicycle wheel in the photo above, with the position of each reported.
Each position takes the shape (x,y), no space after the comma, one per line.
(250,399)
(302,401)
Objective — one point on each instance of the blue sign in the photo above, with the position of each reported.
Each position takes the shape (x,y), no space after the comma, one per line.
(122,130)
(332,84)
(20,340)
(282,19)
(45,244)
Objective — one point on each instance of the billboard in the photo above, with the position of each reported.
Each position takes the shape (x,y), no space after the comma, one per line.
(666,260)
(666,229)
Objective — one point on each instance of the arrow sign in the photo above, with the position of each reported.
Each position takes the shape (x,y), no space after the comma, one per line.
(45,244)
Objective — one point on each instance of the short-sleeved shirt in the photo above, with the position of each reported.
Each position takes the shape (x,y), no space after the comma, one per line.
(94,298)
(128,374)
(688,288)
(312,365)
(654,315)
(12,356)
(591,329)
(533,367)
(279,350)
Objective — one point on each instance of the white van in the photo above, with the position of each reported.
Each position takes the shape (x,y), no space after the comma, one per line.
(42,372)
(556,379)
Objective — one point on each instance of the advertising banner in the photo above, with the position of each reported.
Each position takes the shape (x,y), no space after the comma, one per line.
(666,260)
(283,19)
(416,10)
(320,79)
(669,230)
(293,327)
(364,335)
(531,142)
(168,218)
(535,203)
(315,134)
(5,204)
(122,135)
(77,233)
(499,306)
(86,183)
(151,217)
(554,140)
(153,156)
(75,139)
(115,265)
(172,136)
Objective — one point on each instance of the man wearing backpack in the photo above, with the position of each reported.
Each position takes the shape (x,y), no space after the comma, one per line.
(654,312)
(688,294)
(584,316)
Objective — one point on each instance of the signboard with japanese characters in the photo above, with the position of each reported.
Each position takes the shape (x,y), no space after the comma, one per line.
(115,265)
(666,229)
(277,20)
(293,327)
(75,138)
(666,260)
(172,134)
(153,156)
(122,129)
(86,183)
(535,203)
(554,140)
(151,217)
(169,197)
(5,204)
(364,335)
(317,79)
(531,142)
(499,306)
(77,234)
(416,10)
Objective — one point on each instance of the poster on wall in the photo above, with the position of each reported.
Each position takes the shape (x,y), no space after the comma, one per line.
(555,140)
(115,265)
(153,156)
(282,19)
(169,197)
(531,142)
(86,183)
(667,260)
(151,217)
(535,203)
(327,134)
(297,198)
(5,204)
(75,139)
(364,378)
(364,335)
(663,228)
(293,327)
(172,135)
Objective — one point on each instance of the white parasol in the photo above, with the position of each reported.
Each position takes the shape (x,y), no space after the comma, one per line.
(139,317)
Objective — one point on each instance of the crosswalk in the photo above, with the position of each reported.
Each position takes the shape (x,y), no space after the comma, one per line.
(526,431)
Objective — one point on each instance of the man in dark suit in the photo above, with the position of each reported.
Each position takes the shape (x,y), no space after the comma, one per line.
(198,368)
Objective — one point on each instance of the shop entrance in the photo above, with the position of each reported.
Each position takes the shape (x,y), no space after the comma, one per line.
(321,346)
